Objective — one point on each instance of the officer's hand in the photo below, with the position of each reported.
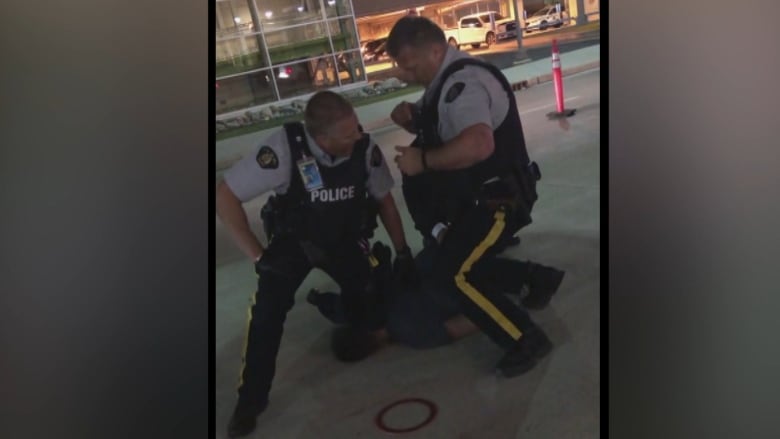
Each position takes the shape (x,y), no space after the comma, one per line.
(403,115)
(261,265)
(409,160)
(404,268)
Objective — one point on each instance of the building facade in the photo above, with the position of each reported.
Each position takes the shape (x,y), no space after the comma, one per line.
(272,50)
(269,51)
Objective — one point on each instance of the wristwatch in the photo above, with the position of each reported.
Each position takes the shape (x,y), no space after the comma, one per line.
(438,231)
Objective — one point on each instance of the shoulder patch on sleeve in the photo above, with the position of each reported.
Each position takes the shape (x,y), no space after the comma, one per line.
(454,91)
(376,156)
(267,158)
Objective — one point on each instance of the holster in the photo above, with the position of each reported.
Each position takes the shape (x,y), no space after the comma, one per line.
(268,216)
(279,219)
(368,222)
(515,192)
(526,179)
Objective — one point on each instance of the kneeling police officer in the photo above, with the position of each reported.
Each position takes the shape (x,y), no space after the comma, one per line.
(324,175)
(469,183)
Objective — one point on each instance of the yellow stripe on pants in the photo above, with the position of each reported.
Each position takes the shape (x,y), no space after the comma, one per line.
(246,341)
(473,293)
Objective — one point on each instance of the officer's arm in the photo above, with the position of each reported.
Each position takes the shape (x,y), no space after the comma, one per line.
(233,216)
(471,146)
(465,111)
(391,219)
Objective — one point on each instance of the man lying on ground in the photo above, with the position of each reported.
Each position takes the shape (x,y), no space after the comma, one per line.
(426,317)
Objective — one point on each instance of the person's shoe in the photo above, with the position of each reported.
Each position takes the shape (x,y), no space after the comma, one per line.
(517,360)
(533,345)
(538,343)
(543,282)
(244,418)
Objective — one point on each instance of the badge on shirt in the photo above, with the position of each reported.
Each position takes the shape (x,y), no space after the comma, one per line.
(266,158)
(376,157)
(454,92)
(310,173)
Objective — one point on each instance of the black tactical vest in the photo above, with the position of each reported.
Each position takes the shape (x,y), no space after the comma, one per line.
(332,214)
(440,196)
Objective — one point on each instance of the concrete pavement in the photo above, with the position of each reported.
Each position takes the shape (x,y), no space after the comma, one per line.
(314,396)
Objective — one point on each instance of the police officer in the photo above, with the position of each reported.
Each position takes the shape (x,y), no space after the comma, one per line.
(321,174)
(468,181)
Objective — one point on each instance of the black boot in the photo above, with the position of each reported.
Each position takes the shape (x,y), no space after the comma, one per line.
(244,418)
(533,345)
(543,282)
(329,304)
(538,342)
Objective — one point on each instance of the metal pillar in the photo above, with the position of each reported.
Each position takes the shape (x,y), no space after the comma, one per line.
(261,42)
(522,55)
(581,18)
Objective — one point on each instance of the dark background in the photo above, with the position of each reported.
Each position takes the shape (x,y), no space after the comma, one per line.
(105,264)
(104,232)
(692,223)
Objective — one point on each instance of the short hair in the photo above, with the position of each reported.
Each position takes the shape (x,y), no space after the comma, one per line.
(323,110)
(413,31)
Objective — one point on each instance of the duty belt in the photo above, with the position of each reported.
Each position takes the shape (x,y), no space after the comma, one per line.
(508,191)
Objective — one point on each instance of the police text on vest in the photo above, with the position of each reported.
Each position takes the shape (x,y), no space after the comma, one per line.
(333,194)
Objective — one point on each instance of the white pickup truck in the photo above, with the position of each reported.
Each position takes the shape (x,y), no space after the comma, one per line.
(478,29)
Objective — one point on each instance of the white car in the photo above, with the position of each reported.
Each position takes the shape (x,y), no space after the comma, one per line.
(504,27)
(546,17)
(477,29)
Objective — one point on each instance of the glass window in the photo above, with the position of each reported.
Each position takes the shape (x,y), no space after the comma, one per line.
(298,42)
(276,14)
(350,68)
(342,32)
(375,50)
(244,91)
(481,7)
(233,18)
(337,8)
(306,76)
(239,55)
(292,56)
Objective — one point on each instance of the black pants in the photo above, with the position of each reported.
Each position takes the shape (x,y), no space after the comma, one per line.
(285,267)
(462,267)
(416,317)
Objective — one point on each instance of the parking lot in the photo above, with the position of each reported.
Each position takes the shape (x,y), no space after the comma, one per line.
(567,33)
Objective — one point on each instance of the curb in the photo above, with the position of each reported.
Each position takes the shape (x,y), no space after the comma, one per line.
(547,77)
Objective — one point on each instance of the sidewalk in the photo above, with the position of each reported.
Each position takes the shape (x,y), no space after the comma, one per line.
(375,116)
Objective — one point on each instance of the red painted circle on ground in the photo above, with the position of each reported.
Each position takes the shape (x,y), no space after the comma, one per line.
(432,410)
